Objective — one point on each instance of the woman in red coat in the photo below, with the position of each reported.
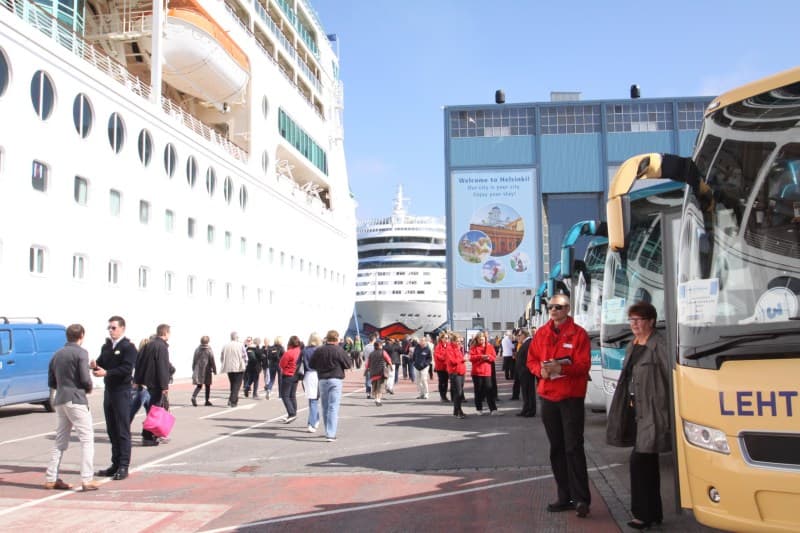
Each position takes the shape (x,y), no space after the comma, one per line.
(482,356)
(288,364)
(456,369)
(440,363)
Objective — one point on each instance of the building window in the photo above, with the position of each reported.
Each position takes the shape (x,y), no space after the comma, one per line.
(113,272)
(169,220)
(42,94)
(191,171)
(169,281)
(211,181)
(39,176)
(210,234)
(170,160)
(476,294)
(497,326)
(144,211)
(639,117)
(190,227)
(114,202)
(36,260)
(227,189)
(510,325)
(144,277)
(210,288)
(190,283)
(570,119)
(495,294)
(228,239)
(528,292)
(78,267)
(82,115)
(145,146)
(243,246)
(116,132)
(493,122)
(81,191)
(690,115)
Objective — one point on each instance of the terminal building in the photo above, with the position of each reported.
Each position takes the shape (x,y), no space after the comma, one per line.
(538,168)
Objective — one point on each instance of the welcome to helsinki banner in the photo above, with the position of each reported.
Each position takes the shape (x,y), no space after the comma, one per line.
(493,230)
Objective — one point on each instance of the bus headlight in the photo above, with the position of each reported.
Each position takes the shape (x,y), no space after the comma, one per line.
(706,437)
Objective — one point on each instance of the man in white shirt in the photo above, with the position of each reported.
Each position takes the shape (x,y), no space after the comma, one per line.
(507,346)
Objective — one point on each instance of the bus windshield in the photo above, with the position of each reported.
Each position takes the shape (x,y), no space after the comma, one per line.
(739,270)
(589,286)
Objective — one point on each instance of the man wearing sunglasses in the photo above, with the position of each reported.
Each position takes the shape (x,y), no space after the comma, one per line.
(559,356)
(115,366)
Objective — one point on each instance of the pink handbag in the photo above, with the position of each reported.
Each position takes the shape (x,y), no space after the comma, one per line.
(159,421)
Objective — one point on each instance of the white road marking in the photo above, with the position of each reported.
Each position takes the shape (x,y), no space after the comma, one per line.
(226,411)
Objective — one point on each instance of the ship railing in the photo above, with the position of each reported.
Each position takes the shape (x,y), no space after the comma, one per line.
(130,25)
(48,25)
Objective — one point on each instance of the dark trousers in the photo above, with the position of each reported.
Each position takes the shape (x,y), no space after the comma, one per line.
(527,386)
(457,392)
(197,391)
(156,397)
(645,487)
(235,379)
(444,379)
(494,381)
(563,422)
(483,391)
(508,367)
(289,394)
(515,388)
(251,380)
(117,410)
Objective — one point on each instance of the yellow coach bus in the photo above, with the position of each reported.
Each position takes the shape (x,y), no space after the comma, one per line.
(733,311)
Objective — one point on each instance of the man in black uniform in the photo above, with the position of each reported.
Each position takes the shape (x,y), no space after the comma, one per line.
(115,366)
(153,372)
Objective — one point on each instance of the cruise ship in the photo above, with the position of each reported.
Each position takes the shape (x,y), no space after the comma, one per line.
(401,287)
(181,165)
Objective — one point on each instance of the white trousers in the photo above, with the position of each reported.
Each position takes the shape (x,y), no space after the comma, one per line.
(422,381)
(73,416)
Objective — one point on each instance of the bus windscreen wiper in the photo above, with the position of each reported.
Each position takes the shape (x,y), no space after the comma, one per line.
(727,341)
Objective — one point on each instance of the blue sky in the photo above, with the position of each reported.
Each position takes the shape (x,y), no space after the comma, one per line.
(403,60)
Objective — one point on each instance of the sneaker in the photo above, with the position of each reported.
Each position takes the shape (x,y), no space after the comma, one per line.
(311,429)
(330,439)
(424,396)
(378,403)
(316,425)
(496,413)
(461,415)
(480,412)
(290,419)
(58,484)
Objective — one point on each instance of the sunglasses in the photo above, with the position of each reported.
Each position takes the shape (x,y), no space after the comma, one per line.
(112,328)
(557,307)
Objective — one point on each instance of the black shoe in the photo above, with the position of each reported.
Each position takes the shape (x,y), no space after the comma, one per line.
(149,442)
(581,509)
(246,393)
(108,472)
(194,401)
(520,414)
(638,524)
(208,404)
(121,474)
(559,507)
(514,398)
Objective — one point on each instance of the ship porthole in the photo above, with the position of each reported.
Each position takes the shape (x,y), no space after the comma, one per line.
(211,181)
(170,160)
(264,106)
(191,171)
(145,147)
(265,162)
(43,94)
(227,189)
(5,72)
(116,132)
(243,197)
(82,115)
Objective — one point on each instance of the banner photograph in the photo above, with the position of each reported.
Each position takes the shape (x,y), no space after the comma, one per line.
(493,228)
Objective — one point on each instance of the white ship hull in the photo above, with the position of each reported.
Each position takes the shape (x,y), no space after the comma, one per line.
(397,318)
(293,273)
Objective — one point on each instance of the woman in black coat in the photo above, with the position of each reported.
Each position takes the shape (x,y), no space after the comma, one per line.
(202,367)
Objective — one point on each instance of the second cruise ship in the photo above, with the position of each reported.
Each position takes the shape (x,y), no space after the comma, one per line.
(401,284)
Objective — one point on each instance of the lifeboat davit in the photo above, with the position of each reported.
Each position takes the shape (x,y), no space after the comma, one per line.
(200,58)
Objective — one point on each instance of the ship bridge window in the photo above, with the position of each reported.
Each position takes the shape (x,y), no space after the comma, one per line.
(170,159)
(191,171)
(82,115)
(211,181)
(116,132)
(145,146)
(4,72)
(40,174)
(243,197)
(42,94)
(81,190)
(227,189)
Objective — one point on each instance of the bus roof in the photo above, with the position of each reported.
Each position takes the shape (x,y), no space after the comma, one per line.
(763,85)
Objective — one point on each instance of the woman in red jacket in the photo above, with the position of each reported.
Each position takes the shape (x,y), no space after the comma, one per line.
(287,365)
(482,356)
(456,369)
(440,363)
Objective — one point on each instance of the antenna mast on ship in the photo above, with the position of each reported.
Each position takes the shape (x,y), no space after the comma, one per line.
(399,211)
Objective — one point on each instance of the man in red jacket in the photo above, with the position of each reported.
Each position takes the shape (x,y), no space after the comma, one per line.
(559,356)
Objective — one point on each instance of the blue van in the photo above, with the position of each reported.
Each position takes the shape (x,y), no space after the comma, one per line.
(25,352)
